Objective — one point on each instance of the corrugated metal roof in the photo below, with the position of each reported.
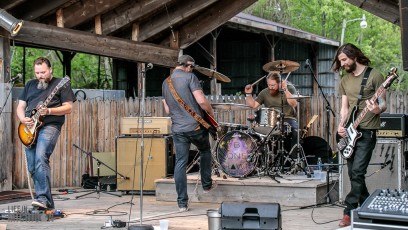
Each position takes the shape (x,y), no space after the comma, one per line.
(264,25)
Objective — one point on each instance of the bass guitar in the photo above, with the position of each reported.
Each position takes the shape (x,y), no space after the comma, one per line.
(345,145)
(28,136)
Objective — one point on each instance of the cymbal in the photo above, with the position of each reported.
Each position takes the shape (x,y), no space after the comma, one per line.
(283,66)
(212,74)
(298,97)
(230,106)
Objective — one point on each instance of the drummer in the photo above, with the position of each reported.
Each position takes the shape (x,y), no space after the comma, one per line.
(271,98)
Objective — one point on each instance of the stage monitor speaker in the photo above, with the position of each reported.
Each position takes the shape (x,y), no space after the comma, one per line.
(106,157)
(387,168)
(250,215)
(404,32)
(157,161)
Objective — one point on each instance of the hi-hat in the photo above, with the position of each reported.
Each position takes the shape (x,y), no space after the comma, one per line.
(298,97)
(212,74)
(230,106)
(283,66)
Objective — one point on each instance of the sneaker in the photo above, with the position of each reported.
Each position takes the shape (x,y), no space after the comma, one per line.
(183,209)
(39,204)
(345,221)
(213,186)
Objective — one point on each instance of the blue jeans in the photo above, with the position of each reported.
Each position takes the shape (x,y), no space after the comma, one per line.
(357,168)
(38,163)
(182,142)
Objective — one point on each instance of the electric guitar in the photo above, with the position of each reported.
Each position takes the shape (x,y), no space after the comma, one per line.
(213,124)
(28,136)
(345,145)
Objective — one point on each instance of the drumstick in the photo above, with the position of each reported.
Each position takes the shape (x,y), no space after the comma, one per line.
(287,76)
(252,85)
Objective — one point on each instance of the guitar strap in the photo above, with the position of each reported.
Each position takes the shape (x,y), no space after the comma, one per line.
(363,83)
(197,117)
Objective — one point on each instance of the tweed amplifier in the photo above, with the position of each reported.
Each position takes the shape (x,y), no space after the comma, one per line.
(393,125)
(152,125)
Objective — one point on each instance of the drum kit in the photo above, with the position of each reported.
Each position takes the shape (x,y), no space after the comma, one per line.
(266,147)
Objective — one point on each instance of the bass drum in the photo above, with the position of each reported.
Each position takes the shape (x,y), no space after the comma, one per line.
(315,147)
(233,150)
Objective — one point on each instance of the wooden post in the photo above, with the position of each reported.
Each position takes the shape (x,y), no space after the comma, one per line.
(6,144)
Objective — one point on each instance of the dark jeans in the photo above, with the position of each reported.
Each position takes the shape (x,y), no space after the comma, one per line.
(357,168)
(182,142)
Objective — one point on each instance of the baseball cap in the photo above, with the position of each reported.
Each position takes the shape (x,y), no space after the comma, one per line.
(183,59)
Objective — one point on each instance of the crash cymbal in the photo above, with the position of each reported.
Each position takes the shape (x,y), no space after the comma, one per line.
(230,106)
(298,97)
(212,74)
(283,66)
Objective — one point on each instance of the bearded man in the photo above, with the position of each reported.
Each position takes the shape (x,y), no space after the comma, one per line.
(356,64)
(38,154)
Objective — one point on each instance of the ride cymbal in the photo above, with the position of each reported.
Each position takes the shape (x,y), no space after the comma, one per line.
(212,74)
(283,66)
(230,106)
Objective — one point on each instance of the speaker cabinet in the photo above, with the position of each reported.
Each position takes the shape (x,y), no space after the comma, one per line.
(250,215)
(107,158)
(158,161)
(387,168)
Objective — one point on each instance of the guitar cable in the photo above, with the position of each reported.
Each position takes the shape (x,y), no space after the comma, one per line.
(28,175)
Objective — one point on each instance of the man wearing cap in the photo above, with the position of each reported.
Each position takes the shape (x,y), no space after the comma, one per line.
(186,130)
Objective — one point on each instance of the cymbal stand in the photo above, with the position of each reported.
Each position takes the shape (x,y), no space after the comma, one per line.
(299,158)
(281,147)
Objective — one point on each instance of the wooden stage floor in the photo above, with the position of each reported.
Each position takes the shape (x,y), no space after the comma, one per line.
(93,211)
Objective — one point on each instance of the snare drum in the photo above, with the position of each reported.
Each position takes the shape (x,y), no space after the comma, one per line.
(233,150)
(266,119)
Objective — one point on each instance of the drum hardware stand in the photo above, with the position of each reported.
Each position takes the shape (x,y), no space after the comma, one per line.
(98,187)
(299,158)
(328,110)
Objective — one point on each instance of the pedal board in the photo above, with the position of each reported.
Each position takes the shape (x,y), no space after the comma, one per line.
(24,213)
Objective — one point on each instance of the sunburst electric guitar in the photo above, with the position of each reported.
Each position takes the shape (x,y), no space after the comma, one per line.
(345,145)
(28,136)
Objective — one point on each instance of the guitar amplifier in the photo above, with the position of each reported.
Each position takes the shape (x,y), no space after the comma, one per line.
(152,125)
(393,125)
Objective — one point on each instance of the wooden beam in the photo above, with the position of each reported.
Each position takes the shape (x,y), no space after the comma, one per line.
(386,10)
(177,14)
(126,15)
(209,20)
(9,4)
(38,34)
(86,10)
(33,9)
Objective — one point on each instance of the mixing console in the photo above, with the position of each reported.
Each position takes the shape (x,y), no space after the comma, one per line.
(386,204)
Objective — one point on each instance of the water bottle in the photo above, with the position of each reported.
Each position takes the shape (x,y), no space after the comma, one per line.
(319,163)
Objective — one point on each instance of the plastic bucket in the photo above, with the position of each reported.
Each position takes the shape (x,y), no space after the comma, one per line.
(214,219)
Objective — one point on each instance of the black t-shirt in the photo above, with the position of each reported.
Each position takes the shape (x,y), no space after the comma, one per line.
(35,97)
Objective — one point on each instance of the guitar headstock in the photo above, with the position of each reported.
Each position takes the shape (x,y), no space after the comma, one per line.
(392,75)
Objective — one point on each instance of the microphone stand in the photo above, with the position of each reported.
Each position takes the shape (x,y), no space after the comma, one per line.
(328,110)
(142,111)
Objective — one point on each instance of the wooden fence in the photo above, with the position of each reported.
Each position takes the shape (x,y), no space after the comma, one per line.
(94,124)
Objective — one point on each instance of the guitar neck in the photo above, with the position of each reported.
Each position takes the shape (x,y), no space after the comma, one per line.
(365,110)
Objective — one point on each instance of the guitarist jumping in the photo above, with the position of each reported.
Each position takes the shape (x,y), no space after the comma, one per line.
(362,94)
(41,110)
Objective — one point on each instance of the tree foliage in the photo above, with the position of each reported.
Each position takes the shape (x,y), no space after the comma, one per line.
(380,41)
(84,67)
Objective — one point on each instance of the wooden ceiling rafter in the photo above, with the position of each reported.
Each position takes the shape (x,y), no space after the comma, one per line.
(385,9)
(34,9)
(176,15)
(217,15)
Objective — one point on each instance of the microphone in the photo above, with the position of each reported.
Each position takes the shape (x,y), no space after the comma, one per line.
(149,66)
(307,63)
(15,78)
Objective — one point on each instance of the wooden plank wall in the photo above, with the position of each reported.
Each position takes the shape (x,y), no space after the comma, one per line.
(94,124)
